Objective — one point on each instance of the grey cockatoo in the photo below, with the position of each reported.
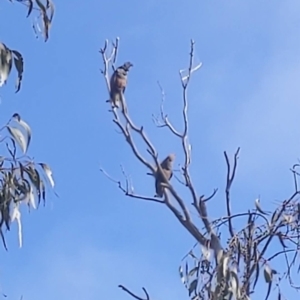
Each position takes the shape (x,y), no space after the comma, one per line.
(166,166)
(118,83)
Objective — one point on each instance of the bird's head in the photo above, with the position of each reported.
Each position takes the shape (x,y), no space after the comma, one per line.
(171,157)
(167,162)
(126,66)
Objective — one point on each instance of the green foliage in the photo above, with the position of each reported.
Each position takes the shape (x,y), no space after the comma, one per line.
(45,13)
(7,56)
(21,179)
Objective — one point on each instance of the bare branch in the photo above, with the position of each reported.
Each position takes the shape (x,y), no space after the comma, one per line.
(129,124)
(202,197)
(128,191)
(164,122)
(230,178)
(185,145)
(295,174)
(233,270)
(133,295)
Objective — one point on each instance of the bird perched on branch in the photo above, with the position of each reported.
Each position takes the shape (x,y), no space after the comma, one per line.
(118,82)
(166,166)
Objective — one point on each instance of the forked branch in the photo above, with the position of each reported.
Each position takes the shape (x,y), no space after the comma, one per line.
(124,122)
(133,295)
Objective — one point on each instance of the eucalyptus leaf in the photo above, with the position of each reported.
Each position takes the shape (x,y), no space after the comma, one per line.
(16,215)
(34,176)
(193,286)
(5,63)
(48,172)
(225,262)
(46,20)
(268,273)
(235,285)
(19,64)
(41,192)
(18,137)
(258,207)
(31,198)
(16,116)
(181,274)
(27,129)
(50,6)
(193,271)
(30,7)
(205,252)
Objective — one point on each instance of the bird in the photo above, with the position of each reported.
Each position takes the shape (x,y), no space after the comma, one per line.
(166,166)
(118,83)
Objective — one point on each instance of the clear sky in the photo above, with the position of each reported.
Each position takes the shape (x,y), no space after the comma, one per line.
(92,238)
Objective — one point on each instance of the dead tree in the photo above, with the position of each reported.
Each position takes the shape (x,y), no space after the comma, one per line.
(227,269)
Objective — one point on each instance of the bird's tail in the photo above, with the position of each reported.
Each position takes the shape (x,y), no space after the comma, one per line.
(114,100)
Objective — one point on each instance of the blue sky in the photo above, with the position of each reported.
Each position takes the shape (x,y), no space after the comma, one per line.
(92,238)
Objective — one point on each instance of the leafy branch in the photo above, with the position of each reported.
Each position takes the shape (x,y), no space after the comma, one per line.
(21,179)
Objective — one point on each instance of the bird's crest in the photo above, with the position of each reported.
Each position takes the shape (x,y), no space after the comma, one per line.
(126,66)
(171,157)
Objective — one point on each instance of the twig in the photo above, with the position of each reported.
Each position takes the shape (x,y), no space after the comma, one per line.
(230,178)
(202,197)
(133,295)
(295,174)
(128,190)
(164,122)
